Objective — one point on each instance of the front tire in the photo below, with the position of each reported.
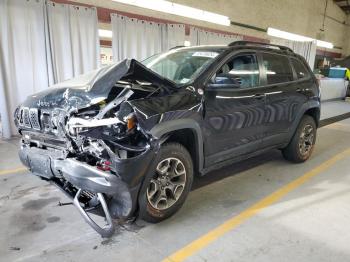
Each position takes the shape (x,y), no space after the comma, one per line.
(302,143)
(163,194)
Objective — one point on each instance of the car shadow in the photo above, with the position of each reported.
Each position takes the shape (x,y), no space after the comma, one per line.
(235,169)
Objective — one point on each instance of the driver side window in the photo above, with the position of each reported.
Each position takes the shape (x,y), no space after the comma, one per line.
(241,71)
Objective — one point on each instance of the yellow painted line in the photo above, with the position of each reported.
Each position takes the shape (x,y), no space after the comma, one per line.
(235,221)
(12,171)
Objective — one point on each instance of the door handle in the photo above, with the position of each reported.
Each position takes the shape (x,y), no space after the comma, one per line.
(259,96)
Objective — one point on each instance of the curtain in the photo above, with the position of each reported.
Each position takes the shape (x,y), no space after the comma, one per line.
(133,38)
(193,37)
(305,49)
(40,45)
(23,63)
(202,37)
(73,40)
(139,39)
(175,35)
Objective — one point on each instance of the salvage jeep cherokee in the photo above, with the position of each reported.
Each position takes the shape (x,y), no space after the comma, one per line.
(127,139)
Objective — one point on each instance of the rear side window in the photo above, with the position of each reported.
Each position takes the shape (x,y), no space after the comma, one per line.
(300,69)
(277,68)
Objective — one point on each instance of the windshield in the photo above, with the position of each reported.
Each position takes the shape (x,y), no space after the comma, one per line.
(181,66)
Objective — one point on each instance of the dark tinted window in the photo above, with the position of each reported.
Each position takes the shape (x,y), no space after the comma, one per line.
(242,71)
(300,69)
(277,68)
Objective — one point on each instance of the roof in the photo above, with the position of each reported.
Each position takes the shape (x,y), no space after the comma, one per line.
(241,45)
(203,47)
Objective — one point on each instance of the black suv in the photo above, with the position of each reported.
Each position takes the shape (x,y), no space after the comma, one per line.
(127,139)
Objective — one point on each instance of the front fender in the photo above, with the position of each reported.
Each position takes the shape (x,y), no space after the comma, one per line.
(160,130)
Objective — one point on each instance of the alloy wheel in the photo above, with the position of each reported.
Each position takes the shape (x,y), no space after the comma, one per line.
(306,140)
(168,183)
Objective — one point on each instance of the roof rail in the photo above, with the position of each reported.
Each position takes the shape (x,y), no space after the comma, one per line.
(242,43)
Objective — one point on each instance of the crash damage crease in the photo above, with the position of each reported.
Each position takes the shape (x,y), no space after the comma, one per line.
(92,137)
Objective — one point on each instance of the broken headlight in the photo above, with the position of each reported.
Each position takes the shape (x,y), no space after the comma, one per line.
(130,121)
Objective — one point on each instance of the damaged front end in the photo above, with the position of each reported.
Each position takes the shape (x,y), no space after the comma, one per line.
(88,138)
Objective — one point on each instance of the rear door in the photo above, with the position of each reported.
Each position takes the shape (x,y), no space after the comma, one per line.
(284,97)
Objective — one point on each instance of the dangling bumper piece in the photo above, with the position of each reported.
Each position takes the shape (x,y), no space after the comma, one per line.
(106,231)
(93,191)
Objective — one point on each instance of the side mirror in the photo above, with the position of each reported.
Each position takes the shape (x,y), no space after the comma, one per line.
(223,81)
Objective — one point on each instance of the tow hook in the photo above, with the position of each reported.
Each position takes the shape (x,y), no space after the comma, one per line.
(106,231)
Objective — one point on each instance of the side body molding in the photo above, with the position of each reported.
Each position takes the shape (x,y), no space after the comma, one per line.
(164,128)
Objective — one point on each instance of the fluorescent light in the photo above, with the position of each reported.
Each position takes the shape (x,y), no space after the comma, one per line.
(177,9)
(288,36)
(294,37)
(325,44)
(105,33)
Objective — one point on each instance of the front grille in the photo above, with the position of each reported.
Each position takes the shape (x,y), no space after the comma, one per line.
(29,118)
(26,119)
(34,118)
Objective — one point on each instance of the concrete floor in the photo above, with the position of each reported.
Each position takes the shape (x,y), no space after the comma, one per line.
(310,223)
(334,108)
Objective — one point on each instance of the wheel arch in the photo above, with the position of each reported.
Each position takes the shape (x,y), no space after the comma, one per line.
(186,132)
(312,108)
(314,112)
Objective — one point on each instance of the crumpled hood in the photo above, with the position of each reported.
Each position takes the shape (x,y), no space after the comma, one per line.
(85,90)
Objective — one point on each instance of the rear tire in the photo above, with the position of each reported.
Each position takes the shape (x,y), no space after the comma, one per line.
(302,143)
(164,193)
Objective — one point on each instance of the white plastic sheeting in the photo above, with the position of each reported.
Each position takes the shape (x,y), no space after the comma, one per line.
(23,63)
(139,39)
(74,40)
(34,56)
(305,49)
(175,35)
(202,37)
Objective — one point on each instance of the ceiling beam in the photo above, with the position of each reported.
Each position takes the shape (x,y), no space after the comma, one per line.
(345,8)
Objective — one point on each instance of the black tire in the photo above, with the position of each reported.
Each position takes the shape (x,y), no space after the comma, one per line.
(169,152)
(295,152)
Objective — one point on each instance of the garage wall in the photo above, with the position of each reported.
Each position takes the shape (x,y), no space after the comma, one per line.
(303,17)
(347,39)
